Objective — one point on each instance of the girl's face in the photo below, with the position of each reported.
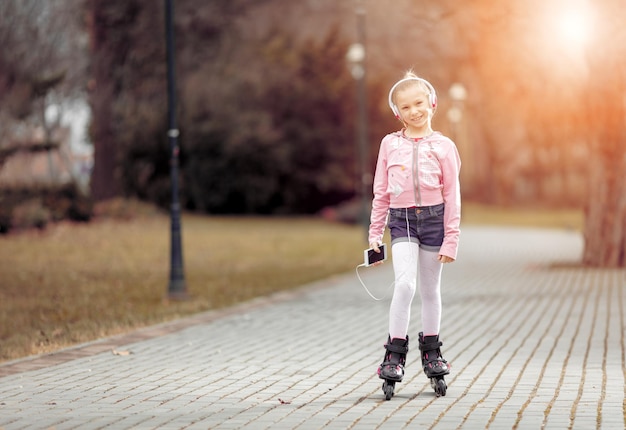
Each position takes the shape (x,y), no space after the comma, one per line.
(414,107)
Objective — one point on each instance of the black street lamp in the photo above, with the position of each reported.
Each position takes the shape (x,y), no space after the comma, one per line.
(177,288)
(356,56)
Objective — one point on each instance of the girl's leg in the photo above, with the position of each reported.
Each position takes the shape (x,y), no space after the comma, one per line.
(430,345)
(405,256)
(430,291)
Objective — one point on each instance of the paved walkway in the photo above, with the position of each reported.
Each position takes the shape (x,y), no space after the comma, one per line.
(534,343)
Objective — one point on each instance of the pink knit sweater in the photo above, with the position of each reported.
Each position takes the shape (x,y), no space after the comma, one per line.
(417,172)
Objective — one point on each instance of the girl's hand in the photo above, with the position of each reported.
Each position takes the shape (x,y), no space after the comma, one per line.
(445,259)
(375,246)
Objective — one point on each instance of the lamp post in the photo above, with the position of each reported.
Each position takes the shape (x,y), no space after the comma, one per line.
(356,56)
(177,289)
(458,95)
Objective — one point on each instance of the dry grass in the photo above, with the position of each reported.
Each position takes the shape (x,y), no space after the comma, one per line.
(74,283)
(523,216)
(77,282)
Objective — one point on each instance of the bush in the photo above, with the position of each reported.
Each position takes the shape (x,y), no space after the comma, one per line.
(30,207)
(30,214)
(124,209)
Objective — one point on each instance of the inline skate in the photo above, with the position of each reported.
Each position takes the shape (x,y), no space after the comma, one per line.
(392,367)
(435,367)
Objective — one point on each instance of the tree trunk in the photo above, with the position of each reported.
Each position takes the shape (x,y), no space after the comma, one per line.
(105,178)
(605,223)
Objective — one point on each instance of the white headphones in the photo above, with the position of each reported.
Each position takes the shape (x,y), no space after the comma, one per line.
(432,96)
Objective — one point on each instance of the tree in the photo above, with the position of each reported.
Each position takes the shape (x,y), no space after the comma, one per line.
(128,84)
(113,49)
(264,115)
(603,122)
(41,63)
(274,136)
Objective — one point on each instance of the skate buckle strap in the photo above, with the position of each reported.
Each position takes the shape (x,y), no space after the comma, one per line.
(433,346)
(435,360)
(396,348)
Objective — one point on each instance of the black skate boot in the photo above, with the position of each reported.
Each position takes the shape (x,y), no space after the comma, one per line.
(392,367)
(435,367)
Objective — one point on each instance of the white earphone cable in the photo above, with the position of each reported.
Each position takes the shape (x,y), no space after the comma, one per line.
(367,290)
(390,288)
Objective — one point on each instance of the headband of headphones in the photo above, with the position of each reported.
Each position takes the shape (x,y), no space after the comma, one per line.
(432,96)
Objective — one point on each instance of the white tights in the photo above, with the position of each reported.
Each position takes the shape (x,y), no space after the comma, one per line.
(406,256)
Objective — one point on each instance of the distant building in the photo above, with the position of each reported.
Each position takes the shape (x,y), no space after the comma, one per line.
(62,158)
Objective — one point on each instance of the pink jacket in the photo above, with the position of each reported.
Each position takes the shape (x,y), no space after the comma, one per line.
(418,172)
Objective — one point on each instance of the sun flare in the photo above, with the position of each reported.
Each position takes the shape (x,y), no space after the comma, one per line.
(564,32)
(573,27)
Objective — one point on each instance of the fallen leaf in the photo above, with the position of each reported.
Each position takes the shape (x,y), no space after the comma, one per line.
(116,352)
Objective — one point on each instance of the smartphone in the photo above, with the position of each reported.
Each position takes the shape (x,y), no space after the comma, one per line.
(370,256)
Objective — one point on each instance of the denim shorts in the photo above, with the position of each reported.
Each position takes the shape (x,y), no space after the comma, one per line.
(422,225)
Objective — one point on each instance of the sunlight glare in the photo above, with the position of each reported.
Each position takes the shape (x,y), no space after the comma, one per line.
(573,28)
(562,35)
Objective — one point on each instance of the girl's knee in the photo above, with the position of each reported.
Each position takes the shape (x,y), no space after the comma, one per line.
(405,287)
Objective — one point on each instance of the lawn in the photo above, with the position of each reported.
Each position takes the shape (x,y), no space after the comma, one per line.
(73,283)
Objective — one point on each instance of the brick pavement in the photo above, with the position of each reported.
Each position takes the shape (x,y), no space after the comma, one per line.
(534,342)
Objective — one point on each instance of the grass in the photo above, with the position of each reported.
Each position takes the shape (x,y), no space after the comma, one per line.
(74,283)
(522,216)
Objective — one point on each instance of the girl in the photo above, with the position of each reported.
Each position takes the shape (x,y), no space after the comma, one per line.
(417,191)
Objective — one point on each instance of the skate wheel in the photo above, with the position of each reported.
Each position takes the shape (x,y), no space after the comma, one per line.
(439,385)
(388,388)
